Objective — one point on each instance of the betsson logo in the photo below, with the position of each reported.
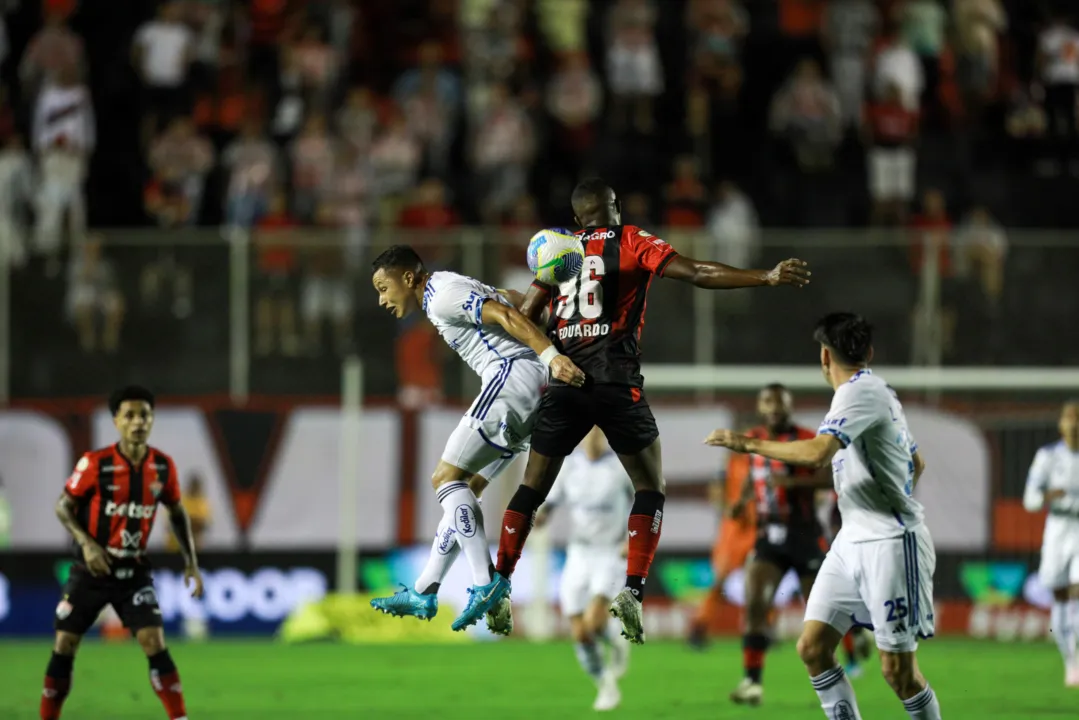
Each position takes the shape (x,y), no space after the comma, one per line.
(129,510)
(268,594)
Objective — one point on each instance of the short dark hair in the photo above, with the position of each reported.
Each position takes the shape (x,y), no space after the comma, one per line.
(129,392)
(399,257)
(775,387)
(847,335)
(591,190)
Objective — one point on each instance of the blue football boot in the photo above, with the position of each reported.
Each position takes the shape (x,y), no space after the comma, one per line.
(407,601)
(481,598)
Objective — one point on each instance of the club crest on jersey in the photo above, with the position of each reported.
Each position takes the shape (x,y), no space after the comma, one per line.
(579,331)
(156,488)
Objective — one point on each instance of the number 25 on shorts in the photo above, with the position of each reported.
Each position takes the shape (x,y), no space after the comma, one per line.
(897,609)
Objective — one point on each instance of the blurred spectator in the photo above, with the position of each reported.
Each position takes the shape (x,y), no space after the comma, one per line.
(430,96)
(574,100)
(54,48)
(197,505)
(312,156)
(733,227)
(162,51)
(180,159)
(224,110)
(686,195)
(923,25)
(891,130)
(1058,65)
(634,68)
(895,63)
(848,29)
(207,18)
(292,103)
(717,28)
(326,296)
(563,24)
(349,198)
(316,65)
(502,150)
(357,120)
(94,299)
(275,304)
(932,239)
(395,164)
(266,25)
(799,23)
(429,209)
(16,196)
(64,138)
(805,112)
(252,164)
(493,48)
(637,210)
(977,25)
(982,247)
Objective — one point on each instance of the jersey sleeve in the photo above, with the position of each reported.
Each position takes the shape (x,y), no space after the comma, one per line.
(1037,481)
(170,494)
(855,409)
(652,253)
(457,303)
(82,483)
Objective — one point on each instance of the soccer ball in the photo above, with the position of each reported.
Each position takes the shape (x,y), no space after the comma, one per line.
(555,256)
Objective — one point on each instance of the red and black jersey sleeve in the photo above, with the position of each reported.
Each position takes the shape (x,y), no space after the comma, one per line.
(652,254)
(170,492)
(82,483)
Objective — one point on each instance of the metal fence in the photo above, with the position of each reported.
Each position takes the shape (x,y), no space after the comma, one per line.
(194,307)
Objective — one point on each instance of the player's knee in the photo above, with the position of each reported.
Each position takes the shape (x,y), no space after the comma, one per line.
(814,650)
(151,640)
(580,630)
(66,643)
(757,613)
(446,473)
(477,484)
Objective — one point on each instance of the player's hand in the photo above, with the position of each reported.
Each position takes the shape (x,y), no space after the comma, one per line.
(737,511)
(727,439)
(97,560)
(1055,494)
(790,272)
(193,580)
(563,369)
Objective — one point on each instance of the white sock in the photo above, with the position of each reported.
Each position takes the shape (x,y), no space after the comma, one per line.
(923,706)
(836,694)
(590,658)
(1073,625)
(461,507)
(1063,630)
(444,551)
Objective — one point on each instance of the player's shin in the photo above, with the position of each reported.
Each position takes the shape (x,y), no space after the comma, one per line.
(836,694)
(516,524)
(590,656)
(165,681)
(461,507)
(444,552)
(1062,623)
(57,685)
(645,523)
(923,706)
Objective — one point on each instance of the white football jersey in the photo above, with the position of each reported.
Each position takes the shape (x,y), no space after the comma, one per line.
(454,304)
(874,472)
(599,496)
(1055,466)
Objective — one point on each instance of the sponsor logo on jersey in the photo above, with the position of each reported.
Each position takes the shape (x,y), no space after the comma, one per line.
(145,596)
(129,510)
(599,235)
(131,539)
(465,520)
(581,330)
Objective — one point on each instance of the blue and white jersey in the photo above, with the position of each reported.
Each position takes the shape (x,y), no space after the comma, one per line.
(874,472)
(1055,467)
(454,304)
(598,494)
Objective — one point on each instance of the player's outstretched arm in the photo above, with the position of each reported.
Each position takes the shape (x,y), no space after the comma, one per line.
(181,528)
(814,453)
(717,276)
(525,332)
(534,302)
(97,561)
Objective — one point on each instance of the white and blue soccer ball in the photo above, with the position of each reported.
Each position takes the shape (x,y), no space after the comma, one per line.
(555,256)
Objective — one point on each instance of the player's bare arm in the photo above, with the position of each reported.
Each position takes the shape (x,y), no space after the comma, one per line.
(181,528)
(717,276)
(524,331)
(919,467)
(514,297)
(534,303)
(97,560)
(814,453)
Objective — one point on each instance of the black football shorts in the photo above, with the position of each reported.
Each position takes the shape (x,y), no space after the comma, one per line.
(566,414)
(130,591)
(801,553)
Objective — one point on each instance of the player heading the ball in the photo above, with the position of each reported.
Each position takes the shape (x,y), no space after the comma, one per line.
(513,357)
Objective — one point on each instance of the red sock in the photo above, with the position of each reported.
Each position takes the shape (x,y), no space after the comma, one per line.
(848,644)
(165,681)
(645,523)
(57,686)
(516,524)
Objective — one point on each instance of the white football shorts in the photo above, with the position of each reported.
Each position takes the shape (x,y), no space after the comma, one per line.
(1060,555)
(498,425)
(591,571)
(884,585)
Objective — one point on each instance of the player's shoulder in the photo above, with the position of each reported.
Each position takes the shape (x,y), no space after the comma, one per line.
(1049,450)
(444,291)
(864,384)
(94,459)
(160,457)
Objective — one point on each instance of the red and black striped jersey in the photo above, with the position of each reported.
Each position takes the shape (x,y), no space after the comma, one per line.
(118,500)
(795,507)
(596,319)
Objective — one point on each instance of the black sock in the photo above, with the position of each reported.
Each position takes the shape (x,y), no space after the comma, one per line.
(432,588)
(162,662)
(754,647)
(60,666)
(525,501)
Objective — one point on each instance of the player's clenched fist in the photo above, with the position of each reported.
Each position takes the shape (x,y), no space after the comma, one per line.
(193,580)
(97,562)
(563,370)
(727,439)
(790,272)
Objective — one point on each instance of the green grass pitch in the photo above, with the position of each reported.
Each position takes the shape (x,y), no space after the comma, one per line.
(237,680)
